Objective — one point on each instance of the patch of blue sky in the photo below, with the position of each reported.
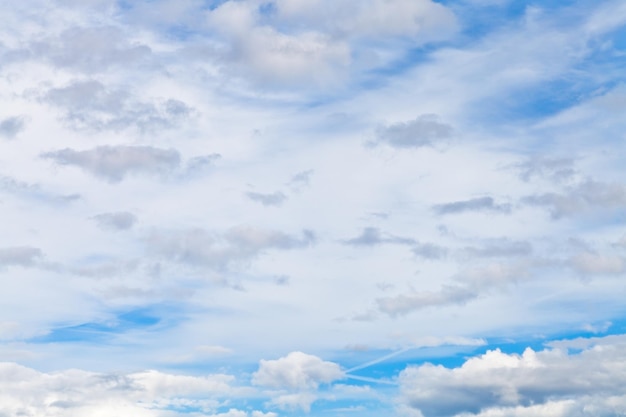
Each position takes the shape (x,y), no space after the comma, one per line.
(104,331)
(345,408)
(382,366)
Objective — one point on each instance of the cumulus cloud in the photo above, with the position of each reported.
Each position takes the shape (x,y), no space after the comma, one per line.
(272,199)
(121,220)
(113,163)
(426,130)
(75,393)
(19,256)
(550,382)
(11,126)
(584,197)
(475,204)
(201,247)
(296,371)
(90,104)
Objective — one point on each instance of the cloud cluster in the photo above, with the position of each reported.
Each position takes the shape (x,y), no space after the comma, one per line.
(284,42)
(89,104)
(297,376)
(25,391)
(550,382)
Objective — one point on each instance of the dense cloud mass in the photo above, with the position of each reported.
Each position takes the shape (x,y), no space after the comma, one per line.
(551,382)
(289,208)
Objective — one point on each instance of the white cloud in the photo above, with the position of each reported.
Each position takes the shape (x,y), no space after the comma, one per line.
(297,371)
(499,384)
(75,393)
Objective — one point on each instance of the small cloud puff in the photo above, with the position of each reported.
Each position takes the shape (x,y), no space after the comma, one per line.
(425,130)
(121,220)
(296,371)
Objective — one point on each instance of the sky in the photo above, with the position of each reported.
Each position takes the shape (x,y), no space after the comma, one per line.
(293,208)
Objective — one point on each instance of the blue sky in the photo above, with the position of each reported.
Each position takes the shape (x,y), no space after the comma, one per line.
(281,208)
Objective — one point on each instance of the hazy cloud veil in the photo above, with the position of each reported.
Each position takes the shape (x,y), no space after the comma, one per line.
(275,208)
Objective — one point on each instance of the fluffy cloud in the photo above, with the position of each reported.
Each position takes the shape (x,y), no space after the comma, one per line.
(551,381)
(24,391)
(296,371)
(113,163)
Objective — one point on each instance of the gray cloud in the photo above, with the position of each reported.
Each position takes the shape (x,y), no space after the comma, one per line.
(199,247)
(113,163)
(548,382)
(583,197)
(371,236)
(91,50)
(122,220)
(429,251)
(90,104)
(555,169)
(11,126)
(425,130)
(500,248)
(273,199)
(301,179)
(200,164)
(406,303)
(474,204)
(470,285)
(20,256)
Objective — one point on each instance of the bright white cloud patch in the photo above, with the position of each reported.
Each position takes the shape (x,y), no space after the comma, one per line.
(297,370)
(550,381)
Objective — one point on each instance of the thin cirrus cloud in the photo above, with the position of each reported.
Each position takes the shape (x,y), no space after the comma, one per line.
(479,204)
